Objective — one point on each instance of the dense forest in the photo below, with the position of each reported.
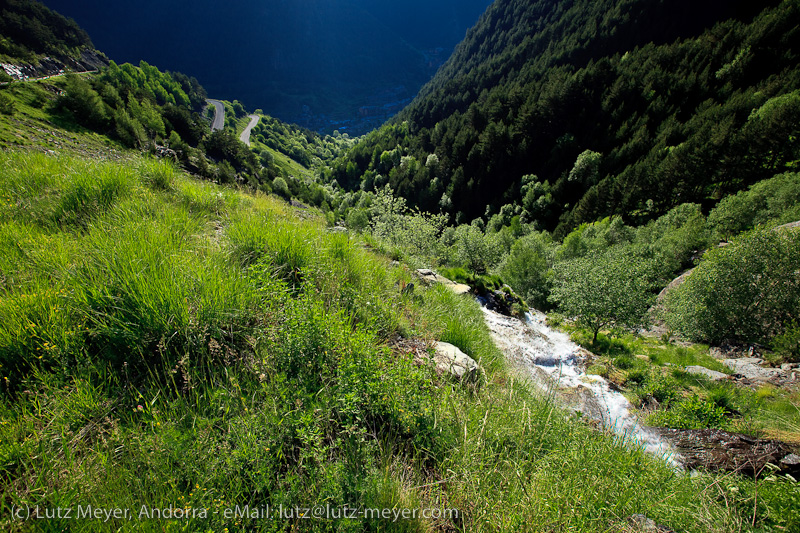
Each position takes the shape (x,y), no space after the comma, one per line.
(29,28)
(565,112)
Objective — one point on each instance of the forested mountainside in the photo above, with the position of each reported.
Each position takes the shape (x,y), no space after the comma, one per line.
(346,64)
(30,33)
(570,111)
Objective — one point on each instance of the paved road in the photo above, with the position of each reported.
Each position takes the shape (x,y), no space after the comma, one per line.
(245,136)
(219,116)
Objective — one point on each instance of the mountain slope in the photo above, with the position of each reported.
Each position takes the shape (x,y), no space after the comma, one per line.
(37,41)
(615,107)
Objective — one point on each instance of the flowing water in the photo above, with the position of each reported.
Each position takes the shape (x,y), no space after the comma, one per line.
(554,362)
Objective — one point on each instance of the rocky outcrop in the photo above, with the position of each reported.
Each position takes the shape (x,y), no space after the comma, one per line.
(750,367)
(429,277)
(790,225)
(450,360)
(89,60)
(713,375)
(717,450)
(502,301)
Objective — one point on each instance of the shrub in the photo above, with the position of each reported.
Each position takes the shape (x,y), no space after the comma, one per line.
(692,413)
(280,187)
(775,199)
(526,268)
(787,344)
(747,291)
(604,290)
(6,104)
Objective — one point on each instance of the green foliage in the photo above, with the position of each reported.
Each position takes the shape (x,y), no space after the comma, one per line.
(280,187)
(770,201)
(691,413)
(586,168)
(195,347)
(747,291)
(662,388)
(158,175)
(225,145)
(395,224)
(604,290)
(787,344)
(357,220)
(472,249)
(675,238)
(6,104)
(29,28)
(527,268)
(85,104)
(684,104)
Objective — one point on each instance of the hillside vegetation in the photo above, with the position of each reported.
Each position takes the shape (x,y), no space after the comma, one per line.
(29,29)
(179,343)
(571,111)
(166,342)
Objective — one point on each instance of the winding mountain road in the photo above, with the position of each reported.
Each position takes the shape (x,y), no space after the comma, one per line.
(219,115)
(245,136)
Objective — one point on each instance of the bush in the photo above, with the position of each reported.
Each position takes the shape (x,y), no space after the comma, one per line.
(280,187)
(691,413)
(747,291)
(473,251)
(775,199)
(604,290)
(6,104)
(527,266)
(787,344)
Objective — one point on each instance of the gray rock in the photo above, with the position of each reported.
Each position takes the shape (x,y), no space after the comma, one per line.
(430,277)
(451,360)
(643,523)
(646,525)
(750,360)
(749,368)
(713,375)
(790,225)
(788,367)
(791,461)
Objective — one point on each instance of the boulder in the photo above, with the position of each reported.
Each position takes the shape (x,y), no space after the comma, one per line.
(451,360)
(642,524)
(429,277)
(713,375)
(750,368)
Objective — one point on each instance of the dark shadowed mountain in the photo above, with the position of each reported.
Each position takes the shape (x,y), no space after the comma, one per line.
(321,63)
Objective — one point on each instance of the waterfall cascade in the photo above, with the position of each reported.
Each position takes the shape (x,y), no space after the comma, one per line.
(556,363)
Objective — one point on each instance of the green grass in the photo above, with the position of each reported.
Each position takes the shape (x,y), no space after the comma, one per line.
(34,125)
(168,343)
(647,368)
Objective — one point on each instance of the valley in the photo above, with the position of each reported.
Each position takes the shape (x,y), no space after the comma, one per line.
(555,290)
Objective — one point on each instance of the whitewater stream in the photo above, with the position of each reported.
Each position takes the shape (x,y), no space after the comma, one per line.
(554,362)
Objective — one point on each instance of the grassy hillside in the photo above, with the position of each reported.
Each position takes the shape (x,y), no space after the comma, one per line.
(620,107)
(167,342)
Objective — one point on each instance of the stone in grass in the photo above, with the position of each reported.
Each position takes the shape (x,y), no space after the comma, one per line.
(750,368)
(450,360)
(429,277)
(646,525)
(713,375)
